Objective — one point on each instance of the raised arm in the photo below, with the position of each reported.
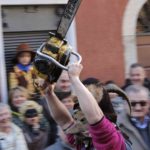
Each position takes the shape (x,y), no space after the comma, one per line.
(87,102)
(58,110)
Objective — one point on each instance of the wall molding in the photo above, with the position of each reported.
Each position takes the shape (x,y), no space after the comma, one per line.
(130,17)
(3,78)
(30,2)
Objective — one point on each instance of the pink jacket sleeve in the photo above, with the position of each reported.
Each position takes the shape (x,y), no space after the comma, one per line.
(71,140)
(106,137)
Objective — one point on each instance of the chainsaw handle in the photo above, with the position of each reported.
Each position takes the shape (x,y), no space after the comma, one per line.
(56,62)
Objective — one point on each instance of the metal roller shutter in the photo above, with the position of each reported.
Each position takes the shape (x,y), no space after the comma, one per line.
(13,39)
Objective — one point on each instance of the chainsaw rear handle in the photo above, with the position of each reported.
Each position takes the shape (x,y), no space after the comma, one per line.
(55,61)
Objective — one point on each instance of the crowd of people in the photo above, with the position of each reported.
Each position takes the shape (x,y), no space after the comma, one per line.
(72,114)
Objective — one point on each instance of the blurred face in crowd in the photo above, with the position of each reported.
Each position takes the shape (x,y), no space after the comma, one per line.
(112,95)
(5,119)
(137,75)
(18,98)
(24,58)
(139,104)
(68,102)
(32,120)
(63,84)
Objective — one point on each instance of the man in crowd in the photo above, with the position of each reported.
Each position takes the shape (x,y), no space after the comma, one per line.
(63,84)
(103,132)
(137,76)
(63,90)
(137,124)
(11,136)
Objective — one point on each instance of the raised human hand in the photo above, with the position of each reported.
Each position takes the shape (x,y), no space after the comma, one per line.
(40,83)
(74,70)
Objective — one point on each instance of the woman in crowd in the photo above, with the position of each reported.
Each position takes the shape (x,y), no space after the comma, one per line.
(35,135)
(17,96)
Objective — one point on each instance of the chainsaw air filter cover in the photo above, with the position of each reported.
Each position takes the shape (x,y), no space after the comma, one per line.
(51,57)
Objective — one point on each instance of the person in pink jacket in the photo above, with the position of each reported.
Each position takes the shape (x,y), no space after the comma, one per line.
(103,132)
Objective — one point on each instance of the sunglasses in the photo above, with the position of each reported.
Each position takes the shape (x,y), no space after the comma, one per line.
(142,103)
(31,113)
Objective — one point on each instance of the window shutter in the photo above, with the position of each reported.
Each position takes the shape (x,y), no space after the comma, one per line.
(13,39)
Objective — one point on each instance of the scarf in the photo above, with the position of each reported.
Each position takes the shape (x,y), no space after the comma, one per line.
(139,124)
(24,67)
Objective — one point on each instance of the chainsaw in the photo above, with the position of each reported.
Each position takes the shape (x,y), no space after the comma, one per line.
(54,55)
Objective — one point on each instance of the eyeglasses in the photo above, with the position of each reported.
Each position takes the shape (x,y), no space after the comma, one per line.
(142,103)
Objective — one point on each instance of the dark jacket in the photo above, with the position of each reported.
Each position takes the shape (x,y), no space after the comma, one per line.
(36,140)
(44,126)
(53,126)
(135,137)
(59,145)
(56,143)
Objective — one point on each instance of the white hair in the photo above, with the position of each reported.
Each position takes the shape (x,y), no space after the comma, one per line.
(3,105)
(137,89)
